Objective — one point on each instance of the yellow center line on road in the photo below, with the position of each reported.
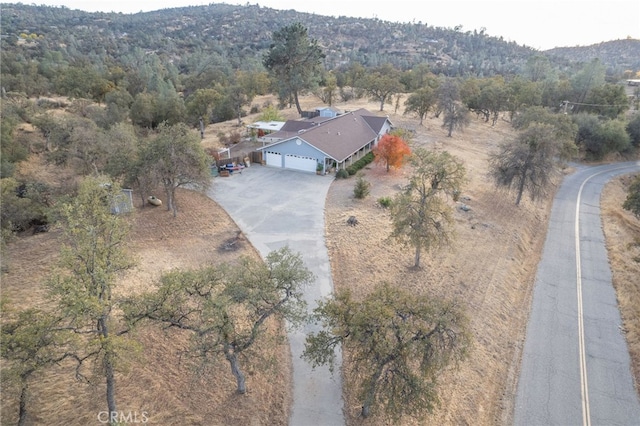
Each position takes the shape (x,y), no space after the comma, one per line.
(584,387)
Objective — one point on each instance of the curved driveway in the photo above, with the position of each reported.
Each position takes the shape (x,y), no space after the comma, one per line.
(575,364)
(274,208)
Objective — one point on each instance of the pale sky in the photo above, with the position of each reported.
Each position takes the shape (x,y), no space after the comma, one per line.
(541,24)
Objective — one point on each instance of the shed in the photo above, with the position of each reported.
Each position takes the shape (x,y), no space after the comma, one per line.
(123,202)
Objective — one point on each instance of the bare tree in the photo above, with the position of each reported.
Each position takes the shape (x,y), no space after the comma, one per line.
(528,162)
(456,115)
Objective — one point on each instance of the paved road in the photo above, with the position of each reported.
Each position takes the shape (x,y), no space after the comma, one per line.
(575,365)
(274,208)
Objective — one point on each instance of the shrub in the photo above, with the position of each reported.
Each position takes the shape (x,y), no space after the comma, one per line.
(385,202)
(362,188)
(23,204)
(223,138)
(633,129)
(632,203)
(342,174)
(360,164)
(235,137)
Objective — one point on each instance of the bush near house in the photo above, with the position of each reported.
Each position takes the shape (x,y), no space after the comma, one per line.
(360,164)
(342,174)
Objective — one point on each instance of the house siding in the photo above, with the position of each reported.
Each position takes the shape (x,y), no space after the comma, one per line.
(386,128)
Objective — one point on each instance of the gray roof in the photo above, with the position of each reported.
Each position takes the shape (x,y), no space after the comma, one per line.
(293,127)
(341,136)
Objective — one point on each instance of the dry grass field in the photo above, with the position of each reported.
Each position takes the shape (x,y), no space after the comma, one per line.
(622,232)
(157,380)
(489,270)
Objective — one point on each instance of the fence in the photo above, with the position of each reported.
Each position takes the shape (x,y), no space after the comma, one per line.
(255,157)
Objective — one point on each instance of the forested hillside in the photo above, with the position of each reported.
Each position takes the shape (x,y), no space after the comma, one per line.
(616,54)
(38,42)
(241,33)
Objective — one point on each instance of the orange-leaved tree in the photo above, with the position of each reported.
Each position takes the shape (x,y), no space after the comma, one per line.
(392,151)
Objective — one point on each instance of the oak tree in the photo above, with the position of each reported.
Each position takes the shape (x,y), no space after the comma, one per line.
(382,84)
(225,308)
(608,100)
(421,102)
(30,342)
(420,214)
(398,343)
(199,105)
(456,115)
(178,160)
(92,258)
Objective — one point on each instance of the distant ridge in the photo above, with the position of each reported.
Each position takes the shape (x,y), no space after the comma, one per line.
(244,33)
(623,54)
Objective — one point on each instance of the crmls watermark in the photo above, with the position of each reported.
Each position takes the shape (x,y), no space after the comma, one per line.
(123,417)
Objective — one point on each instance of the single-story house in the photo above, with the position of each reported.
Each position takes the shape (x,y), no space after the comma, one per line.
(327,143)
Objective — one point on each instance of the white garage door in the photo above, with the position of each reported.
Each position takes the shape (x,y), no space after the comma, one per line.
(274,159)
(297,162)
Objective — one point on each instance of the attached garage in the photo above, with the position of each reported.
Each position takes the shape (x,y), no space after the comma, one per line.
(297,162)
(273,159)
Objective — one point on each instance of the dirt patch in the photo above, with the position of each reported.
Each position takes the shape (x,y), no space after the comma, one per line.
(622,233)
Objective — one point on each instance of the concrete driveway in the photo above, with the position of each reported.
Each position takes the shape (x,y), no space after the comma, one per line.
(274,208)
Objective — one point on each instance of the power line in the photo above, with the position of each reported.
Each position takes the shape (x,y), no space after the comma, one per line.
(597,105)
(565,104)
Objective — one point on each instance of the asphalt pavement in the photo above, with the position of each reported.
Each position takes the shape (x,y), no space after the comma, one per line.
(276,208)
(575,365)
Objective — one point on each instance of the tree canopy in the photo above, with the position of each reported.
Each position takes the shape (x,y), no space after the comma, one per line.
(30,341)
(398,342)
(420,214)
(225,307)
(527,162)
(422,101)
(455,114)
(294,61)
(92,259)
(391,151)
(177,158)
(381,84)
